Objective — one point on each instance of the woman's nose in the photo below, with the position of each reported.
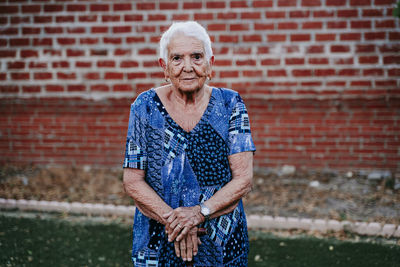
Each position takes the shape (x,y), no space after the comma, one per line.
(187,65)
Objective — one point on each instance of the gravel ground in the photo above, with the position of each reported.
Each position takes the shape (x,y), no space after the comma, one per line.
(353,196)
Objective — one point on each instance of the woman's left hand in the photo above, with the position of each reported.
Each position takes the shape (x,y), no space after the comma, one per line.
(187,248)
(181,220)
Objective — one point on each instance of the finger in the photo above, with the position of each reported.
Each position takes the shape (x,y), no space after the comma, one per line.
(174,233)
(177,249)
(171,226)
(166,215)
(182,234)
(194,243)
(182,245)
(171,217)
(189,248)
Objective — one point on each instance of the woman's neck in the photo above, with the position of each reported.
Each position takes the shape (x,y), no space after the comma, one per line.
(186,99)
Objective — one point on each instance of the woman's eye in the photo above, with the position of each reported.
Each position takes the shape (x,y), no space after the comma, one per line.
(175,58)
(197,57)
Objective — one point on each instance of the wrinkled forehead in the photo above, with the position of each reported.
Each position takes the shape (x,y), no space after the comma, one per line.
(183,44)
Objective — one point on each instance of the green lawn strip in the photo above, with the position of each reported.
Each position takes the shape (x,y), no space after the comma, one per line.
(59,242)
(56,242)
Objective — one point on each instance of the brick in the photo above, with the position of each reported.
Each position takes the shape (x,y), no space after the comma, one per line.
(294,61)
(360,2)
(20,76)
(66,76)
(42,75)
(276,73)
(287,3)
(275,14)
(238,4)
(336,2)
(54,88)
(394,36)
(63,19)
(99,7)
(315,49)
(53,8)
(228,38)
(375,36)
(263,26)
(66,41)
(136,75)
(29,53)
(37,65)
(276,37)
(312,25)
(193,5)
(88,18)
(122,29)
(302,73)
(265,3)
(99,88)
(300,37)
(203,16)
(349,72)
(350,36)
(340,48)
(310,3)
(361,24)
(347,13)
(252,38)
(123,88)
(166,6)
(20,20)
(336,24)
(53,30)
(108,18)
(19,42)
(76,8)
(323,14)
(385,24)
(391,60)
(215,4)
(133,17)
(287,25)
(299,14)
(156,17)
(76,88)
(365,48)
(145,6)
(7,53)
(122,7)
(31,89)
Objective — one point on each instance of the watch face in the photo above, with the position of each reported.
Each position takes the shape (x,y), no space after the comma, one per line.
(205,210)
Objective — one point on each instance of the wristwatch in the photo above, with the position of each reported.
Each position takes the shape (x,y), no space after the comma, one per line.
(205,211)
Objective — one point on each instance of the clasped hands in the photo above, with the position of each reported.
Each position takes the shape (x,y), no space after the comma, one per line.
(181,228)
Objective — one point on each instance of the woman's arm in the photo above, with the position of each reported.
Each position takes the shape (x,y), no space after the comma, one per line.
(227,198)
(181,220)
(146,199)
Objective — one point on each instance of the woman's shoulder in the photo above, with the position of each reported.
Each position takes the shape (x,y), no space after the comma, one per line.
(229,96)
(143,99)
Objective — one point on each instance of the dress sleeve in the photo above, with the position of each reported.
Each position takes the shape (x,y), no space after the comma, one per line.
(240,139)
(135,148)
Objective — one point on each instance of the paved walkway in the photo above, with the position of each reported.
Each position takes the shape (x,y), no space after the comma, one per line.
(254,221)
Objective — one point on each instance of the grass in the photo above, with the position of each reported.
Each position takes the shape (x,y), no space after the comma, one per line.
(59,242)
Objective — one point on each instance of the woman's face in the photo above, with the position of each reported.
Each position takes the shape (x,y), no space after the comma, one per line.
(187,65)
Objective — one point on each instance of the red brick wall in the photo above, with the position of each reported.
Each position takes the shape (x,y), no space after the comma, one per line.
(320,77)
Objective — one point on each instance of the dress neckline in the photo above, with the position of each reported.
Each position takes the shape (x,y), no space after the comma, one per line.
(203,117)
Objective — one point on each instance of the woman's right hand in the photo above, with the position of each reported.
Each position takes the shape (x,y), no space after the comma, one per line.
(187,248)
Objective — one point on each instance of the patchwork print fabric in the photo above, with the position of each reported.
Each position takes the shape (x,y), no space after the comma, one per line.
(239,121)
(187,168)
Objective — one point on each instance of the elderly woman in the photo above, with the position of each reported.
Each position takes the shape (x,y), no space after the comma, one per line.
(188,161)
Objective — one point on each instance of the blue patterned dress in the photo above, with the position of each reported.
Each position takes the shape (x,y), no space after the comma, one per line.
(186,168)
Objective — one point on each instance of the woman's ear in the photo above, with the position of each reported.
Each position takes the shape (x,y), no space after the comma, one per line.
(162,63)
(164,66)
(211,62)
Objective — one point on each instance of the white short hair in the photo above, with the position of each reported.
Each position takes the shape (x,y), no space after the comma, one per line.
(188,28)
